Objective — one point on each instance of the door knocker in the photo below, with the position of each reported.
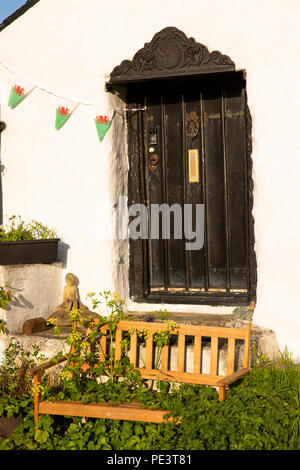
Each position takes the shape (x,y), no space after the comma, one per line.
(192,125)
(153,161)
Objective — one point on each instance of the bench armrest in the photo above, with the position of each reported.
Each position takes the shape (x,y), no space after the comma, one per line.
(232,377)
(46,365)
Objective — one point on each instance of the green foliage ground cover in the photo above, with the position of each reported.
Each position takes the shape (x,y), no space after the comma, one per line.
(261,412)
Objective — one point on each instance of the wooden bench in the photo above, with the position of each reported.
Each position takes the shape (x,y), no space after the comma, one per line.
(135,411)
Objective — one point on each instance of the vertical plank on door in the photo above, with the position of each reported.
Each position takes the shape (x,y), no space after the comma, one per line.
(236,183)
(152,119)
(214,158)
(174,185)
(194,190)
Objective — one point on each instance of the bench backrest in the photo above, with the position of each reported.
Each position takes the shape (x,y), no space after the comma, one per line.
(195,331)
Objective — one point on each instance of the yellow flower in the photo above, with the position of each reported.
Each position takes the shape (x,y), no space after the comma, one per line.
(66,375)
(75,315)
(172,325)
(37,389)
(85,346)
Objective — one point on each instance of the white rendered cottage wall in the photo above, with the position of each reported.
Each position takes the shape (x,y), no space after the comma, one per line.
(71,181)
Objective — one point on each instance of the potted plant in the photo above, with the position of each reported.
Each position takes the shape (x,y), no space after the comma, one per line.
(29,243)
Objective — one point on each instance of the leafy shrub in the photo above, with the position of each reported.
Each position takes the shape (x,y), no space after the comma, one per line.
(261,412)
(17,230)
(264,414)
(15,384)
(5,299)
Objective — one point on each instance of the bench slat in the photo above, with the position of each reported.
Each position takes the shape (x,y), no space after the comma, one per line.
(125,411)
(197,354)
(228,379)
(164,358)
(191,330)
(103,343)
(133,349)
(214,355)
(118,351)
(230,356)
(247,346)
(149,352)
(175,376)
(181,352)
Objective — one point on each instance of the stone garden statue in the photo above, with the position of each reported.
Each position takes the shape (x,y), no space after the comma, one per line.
(71,296)
(71,301)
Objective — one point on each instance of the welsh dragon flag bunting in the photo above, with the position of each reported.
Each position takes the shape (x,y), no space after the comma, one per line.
(103,123)
(19,91)
(64,108)
(63,112)
(62,115)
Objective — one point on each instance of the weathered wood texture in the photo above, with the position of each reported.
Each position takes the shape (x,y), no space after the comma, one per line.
(162,269)
(170,53)
(135,411)
(193,100)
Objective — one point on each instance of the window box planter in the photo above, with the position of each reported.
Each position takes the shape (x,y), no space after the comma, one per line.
(29,251)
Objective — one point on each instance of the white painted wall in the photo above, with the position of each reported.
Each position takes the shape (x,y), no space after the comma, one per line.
(36,292)
(65,178)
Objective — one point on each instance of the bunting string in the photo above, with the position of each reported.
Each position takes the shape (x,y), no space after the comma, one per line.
(22,87)
(20,77)
(84,103)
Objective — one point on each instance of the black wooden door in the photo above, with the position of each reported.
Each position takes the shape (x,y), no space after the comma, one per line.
(193,151)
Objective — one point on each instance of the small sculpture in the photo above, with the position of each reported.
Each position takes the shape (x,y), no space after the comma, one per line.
(71,301)
(71,297)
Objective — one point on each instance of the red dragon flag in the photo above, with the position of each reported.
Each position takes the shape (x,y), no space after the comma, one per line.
(63,112)
(103,123)
(19,91)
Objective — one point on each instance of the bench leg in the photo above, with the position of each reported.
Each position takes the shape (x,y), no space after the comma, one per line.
(222,393)
(36,379)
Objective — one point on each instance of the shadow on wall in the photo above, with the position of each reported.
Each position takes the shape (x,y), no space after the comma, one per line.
(62,253)
(2,168)
(119,175)
(18,300)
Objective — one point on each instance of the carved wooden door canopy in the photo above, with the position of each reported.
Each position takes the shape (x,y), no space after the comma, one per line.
(170,53)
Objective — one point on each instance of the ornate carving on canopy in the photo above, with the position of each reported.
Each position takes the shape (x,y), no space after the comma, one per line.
(170,53)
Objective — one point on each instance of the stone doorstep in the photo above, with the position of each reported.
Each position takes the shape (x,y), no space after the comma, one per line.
(264,340)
